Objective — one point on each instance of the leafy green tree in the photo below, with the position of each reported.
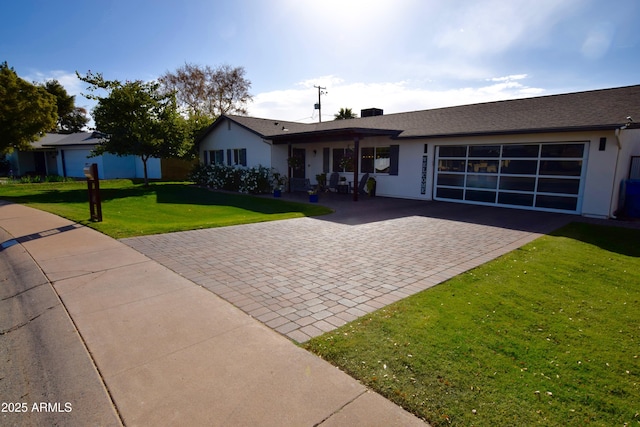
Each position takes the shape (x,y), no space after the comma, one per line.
(27,111)
(344,114)
(137,119)
(70,118)
(74,121)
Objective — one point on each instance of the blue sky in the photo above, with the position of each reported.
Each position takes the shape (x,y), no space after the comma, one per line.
(398,55)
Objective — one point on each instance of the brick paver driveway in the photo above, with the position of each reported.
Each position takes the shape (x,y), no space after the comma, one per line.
(303,277)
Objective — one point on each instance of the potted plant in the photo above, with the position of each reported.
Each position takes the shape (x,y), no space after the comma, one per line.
(313,195)
(322,181)
(278,181)
(294,162)
(346,162)
(371,186)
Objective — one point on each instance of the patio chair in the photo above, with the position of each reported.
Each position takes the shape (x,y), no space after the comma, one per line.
(363,184)
(333,181)
(300,184)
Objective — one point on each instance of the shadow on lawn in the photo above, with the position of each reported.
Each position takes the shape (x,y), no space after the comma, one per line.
(171,194)
(621,240)
(194,195)
(79,196)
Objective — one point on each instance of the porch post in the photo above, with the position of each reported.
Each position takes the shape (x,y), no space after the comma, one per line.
(356,161)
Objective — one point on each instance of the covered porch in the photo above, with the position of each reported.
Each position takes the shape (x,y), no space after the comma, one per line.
(338,155)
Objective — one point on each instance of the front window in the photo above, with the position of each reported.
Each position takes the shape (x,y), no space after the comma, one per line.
(216,157)
(343,159)
(375,159)
(238,157)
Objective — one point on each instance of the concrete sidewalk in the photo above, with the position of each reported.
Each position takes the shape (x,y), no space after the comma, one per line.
(171,352)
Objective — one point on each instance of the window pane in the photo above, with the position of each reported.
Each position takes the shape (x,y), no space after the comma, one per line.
(383,159)
(515,199)
(562,150)
(520,150)
(219,157)
(484,151)
(481,196)
(482,181)
(449,193)
(519,167)
(561,167)
(558,185)
(366,162)
(451,165)
(453,151)
(517,183)
(555,202)
(450,179)
(337,157)
(483,166)
(338,164)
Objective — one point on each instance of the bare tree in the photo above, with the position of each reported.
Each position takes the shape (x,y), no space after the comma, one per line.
(206,92)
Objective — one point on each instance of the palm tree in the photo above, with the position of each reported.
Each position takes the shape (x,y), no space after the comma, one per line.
(345,113)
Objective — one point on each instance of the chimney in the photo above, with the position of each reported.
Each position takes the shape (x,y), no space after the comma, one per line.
(370,112)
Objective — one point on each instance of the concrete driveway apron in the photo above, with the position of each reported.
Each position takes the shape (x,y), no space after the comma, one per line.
(306,276)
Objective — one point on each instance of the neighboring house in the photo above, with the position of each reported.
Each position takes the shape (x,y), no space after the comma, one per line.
(562,153)
(67,154)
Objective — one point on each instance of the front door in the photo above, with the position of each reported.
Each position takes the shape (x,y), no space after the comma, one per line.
(299,170)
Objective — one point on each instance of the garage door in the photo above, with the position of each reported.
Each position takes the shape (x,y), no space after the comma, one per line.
(530,176)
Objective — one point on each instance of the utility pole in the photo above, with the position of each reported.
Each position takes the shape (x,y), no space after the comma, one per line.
(318,106)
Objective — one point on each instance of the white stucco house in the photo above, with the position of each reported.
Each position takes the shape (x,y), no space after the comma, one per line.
(67,154)
(565,153)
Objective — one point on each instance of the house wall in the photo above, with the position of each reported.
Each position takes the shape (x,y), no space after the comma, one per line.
(601,182)
(74,160)
(116,167)
(229,135)
(406,184)
(110,166)
(630,146)
(154,170)
(600,168)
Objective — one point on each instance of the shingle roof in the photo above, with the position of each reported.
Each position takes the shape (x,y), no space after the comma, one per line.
(61,139)
(590,110)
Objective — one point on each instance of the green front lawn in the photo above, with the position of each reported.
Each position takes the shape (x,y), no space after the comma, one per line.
(131,209)
(548,335)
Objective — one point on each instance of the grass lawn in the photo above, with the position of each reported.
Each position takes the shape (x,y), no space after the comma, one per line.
(131,209)
(548,335)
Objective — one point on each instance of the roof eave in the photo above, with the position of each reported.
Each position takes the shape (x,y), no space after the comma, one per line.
(515,132)
(217,122)
(331,135)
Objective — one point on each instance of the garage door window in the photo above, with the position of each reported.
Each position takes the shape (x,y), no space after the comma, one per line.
(538,176)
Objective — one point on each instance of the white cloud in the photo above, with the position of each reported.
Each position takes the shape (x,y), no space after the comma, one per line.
(69,81)
(494,26)
(296,104)
(598,41)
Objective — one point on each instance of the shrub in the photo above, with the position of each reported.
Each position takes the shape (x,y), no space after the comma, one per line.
(55,178)
(254,180)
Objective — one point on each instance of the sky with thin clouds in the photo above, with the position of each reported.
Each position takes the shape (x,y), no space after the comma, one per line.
(398,55)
